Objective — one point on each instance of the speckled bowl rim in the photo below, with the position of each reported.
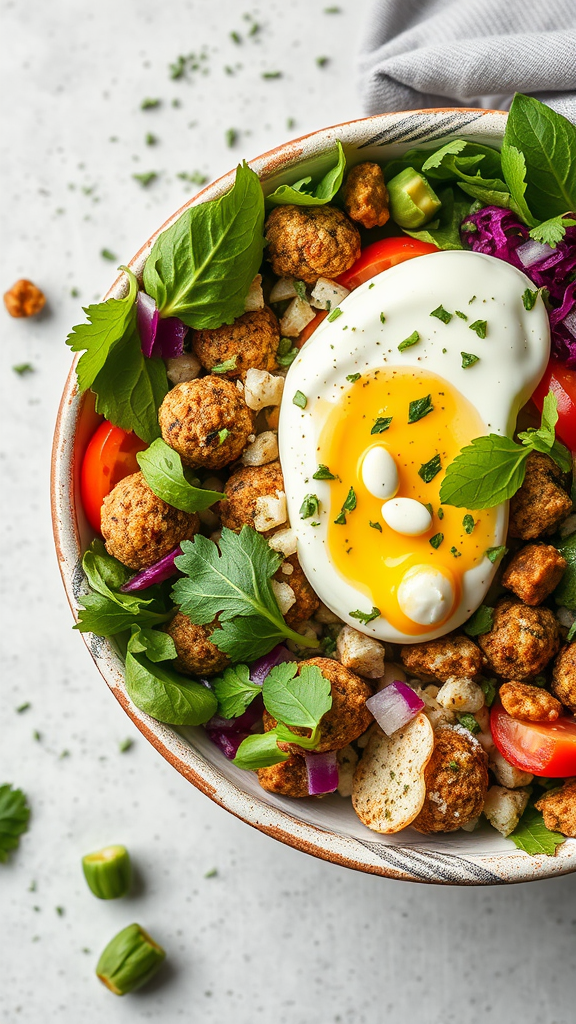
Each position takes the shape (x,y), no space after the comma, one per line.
(405,863)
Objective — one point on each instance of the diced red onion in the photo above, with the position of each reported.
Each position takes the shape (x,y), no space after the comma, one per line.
(147,317)
(322,772)
(532,252)
(157,573)
(260,668)
(226,741)
(394,706)
(241,724)
(170,336)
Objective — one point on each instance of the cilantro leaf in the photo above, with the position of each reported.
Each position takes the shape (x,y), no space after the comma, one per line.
(297,700)
(481,622)
(108,323)
(200,268)
(259,751)
(299,194)
(234,691)
(366,617)
(532,836)
(163,472)
(234,583)
(553,230)
(14,815)
(107,611)
(163,693)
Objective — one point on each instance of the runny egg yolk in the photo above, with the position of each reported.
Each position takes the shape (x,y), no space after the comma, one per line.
(364,548)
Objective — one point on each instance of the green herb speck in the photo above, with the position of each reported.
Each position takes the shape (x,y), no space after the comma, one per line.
(429,469)
(442,314)
(468,523)
(300,400)
(468,359)
(334,314)
(408,342)
(436,540)
(480,327)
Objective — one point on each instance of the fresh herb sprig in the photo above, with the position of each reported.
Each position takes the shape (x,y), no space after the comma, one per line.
(303,193)
(532,836)
(160,691)
(106,611)
(165,475)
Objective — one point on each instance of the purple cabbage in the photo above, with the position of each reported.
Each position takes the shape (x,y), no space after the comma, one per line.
(158,337)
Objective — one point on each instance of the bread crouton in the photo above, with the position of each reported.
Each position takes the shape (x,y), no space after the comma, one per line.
(460,694)
(504,807)
(506,774)
(347,761)
(534,572)
(360,653)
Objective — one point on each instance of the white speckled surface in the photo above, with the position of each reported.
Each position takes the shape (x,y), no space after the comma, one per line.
(275,935)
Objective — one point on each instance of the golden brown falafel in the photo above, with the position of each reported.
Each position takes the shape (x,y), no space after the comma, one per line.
(139,528)
(206,421)
(440,659)
(308,242)
(196,654)
(307,601)
(243,489)
(559,809)
(564,676)
(456,779)
(522,639)
(366,195)
(542,502)
(289,778)
(534,572)
(251,342)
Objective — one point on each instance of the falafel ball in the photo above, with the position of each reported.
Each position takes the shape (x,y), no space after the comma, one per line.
(307,600)
(196,654)
(289,778)
(206,421)
(243,489)
(366,195)
(456,780)
(564,676)
(138,527)
(308,242)
(522,639)
(251,342)
(348,717)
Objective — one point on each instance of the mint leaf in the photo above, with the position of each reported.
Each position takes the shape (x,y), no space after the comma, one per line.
(157,646)
(259,751)
(106,611)
(234,691)
(553,230)
(163,472)
(163,693)
(381,424)
(430,469)
(514,170)
(201,268)
(234,583)
(14,815)
(532,836)
(108,323)
(548,143)
(481,622)
(565,593)
(487,472)
(348,506)
(297,700)
(129,388)
(419,408)
(323,192)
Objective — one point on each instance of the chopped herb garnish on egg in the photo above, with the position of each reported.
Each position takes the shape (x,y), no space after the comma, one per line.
(301,401)
(468,359)
(408,342)
(428,471)
(334,314)
(365,617)
(375,526)
(309,506)
(436,540)
(468,523)
(429,507)
(454,551)
(460,314)
(419,408)
(382,316)
(323,473)
(314,523)
(228,364)
(286,352)
(494,554)
(529,299)
(353,377)
(442,314)
(381,424)
(348,506)
(300,289)
(440,513)
(480,327)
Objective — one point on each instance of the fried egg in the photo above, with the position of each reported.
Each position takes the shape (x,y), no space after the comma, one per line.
(408,370)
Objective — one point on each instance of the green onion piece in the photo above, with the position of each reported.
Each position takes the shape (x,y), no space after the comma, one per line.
(129,960)
(300,400)
(108,872)
(334,314)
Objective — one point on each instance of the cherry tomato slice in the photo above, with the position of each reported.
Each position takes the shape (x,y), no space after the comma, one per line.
(543,748)
(110,456)
(561,381)
(381,256)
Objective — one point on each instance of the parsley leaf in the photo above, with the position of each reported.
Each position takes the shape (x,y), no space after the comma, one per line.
(309,506)
(468,359)
(228,364)
(200,268)
(493,554)
(348,506)
(324,191)
(14,815)
(381,424)
(480,327)
(468,721)
(323,473)
(442,314)
(163,472)
(300,399)
(419,408)
(428,471)
(529,299)
(436,540)
(105,610)
(532,836)
(366,617)
(234,583)
(468,523)
(413,339)
(108,323)
(297,700)
(160,691)
(234,691)
(481,622)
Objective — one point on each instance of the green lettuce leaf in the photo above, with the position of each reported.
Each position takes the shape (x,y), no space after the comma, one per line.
(163,472)
(299,194)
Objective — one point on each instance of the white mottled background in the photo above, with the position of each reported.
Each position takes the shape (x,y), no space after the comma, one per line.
(273,936)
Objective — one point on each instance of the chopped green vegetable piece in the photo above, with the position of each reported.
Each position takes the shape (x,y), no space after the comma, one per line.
(146,178)
(454,551)
(323,473)
(532,836)
(436,540)
(408,342)
(150,139)
(334,314)
(428,471)
(231,137)
(494,554)
(366,617)
(353,377)
(468,721)
(129,960)
(480,327)
(222,435)
(454,766)
(348,506)
(228,364)
(309,506)
(108,872)
(164,473)
(481,622)
(419,408)
(565,593)
(529,299)
(461,314)
(440,513)
(23,707)
(468,359)
(23,368)
(488,687)
(382,316)
(381,424)
(442,314)
(14,816)
(468,523)
(150,104)
(236,37)
(106,254)
(125,745)
(300,400)
(571,632)
(375,526)
(286,352)
(300,289)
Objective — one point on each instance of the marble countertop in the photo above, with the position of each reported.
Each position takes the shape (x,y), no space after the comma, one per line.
(254,931)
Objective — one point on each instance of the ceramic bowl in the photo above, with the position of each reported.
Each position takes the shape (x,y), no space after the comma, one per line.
(328,827)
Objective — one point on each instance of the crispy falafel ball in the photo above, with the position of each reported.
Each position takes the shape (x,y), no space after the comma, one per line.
(348,717)
(308,242)
(366,195)
(289,778)
(251,342)
(139,528)
(196,654)
(456,780)
(559,809)
(206,421)
(440,659)
(542,502)
(307,601)
(522,639)
(243,489)
(564,676)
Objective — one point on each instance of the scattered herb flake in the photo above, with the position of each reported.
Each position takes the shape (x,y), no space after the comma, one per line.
(460,314)
(382,316)
(301,401)
(125,745)
(429,469)
(59,911)
(106,254)
(193,177)
(236,37)
(529,299)
(150,104)
(322,61)
(353,377)
(571,632)
(23,707)
(309,506)
(348,506)
(222,435)
(365,617)
(334,314)
(231,137)
(494,554)
(228,364)
(323,473)
(440,513)
(532,836)
(211,873)
(454,766)
(436,540)
(23,368)
(470,301)
(468,523)
(150,139)
(468,359)
(454,551)
(488,687)
(381,424)
(468,721)
(375,526)
(146,178)
(442,314)
(14,815)
(481,622)
(271,74)
(408,342)
(480,327)
(419,408)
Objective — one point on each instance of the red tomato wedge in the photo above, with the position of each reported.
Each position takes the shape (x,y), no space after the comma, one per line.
(381,256)
(561,381)
(110,456)
(543,748)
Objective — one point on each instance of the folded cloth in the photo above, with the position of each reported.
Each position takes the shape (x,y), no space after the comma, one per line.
(438,53)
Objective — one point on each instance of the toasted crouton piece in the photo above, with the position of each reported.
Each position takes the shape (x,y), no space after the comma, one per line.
(439,659)
(529,703)
(456,781)
(504,807)
(284,541)
(559,809)
(541,503)
(270,511)
(360,653)
(327,294)
(284,595)
(254,298)
(389,788)
(347,761)
(460,694)
(263,450)
(296,318)
(506,774)
(262,389)
(534,572)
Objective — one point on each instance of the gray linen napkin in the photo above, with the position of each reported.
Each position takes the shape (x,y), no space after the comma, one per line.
(438,53)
